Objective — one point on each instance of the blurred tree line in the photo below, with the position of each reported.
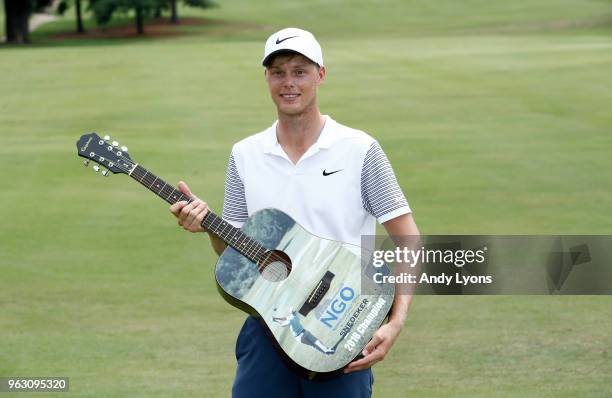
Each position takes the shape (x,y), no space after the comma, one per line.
(17,12)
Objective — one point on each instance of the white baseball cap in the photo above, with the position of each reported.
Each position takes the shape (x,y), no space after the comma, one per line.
(294,39)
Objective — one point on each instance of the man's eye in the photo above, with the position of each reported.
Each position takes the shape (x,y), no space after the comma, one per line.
(299,72)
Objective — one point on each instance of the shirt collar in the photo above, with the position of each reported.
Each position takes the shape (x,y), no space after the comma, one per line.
(325,140)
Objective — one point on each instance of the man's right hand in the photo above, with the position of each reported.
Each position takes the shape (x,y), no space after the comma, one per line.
(189,215)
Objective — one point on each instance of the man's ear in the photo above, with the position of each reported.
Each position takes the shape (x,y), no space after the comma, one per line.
(322,74)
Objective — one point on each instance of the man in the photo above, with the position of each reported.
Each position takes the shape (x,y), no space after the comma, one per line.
(333,180)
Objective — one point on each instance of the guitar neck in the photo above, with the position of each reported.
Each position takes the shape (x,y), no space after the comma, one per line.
(229,234)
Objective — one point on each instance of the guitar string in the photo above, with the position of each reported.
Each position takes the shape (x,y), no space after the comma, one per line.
(264,257)
(253,248)
(225,230)
(148,179)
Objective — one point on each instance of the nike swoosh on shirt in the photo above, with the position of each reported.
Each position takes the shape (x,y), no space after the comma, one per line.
(325,173)
(286,38)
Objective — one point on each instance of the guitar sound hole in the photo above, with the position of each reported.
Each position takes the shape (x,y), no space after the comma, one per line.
(275,266)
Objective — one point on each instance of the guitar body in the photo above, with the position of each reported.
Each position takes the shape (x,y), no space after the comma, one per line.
(320,340)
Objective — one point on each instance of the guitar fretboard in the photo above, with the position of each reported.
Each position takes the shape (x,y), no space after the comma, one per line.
(231,235)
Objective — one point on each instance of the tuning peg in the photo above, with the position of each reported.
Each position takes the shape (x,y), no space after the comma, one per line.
(115,143)
(107,137)
(124,148)
(105,173)
(86,162)
(96,168)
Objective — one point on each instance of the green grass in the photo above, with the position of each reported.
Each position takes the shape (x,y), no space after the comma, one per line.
(495,116)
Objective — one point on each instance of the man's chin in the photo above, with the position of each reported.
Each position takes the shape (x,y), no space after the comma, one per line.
(291,110)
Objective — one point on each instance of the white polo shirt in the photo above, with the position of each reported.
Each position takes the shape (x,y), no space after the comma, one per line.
(337,190)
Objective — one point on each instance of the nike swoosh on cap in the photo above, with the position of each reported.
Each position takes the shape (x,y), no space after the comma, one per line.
(278,41)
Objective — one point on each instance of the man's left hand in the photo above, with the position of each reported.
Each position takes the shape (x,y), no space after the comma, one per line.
(376,350)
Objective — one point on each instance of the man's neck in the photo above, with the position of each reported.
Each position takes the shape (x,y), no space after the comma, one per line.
(297,133)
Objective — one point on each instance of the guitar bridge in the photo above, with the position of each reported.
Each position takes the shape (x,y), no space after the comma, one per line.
(317,294)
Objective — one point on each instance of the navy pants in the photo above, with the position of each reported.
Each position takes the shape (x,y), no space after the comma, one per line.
(262,373)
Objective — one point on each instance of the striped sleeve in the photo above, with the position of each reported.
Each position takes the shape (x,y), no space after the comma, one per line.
(381,195)
(234,202)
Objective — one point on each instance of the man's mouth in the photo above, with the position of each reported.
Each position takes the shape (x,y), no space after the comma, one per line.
(290,96)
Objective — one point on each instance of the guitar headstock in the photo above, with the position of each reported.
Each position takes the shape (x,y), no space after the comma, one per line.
(104,152)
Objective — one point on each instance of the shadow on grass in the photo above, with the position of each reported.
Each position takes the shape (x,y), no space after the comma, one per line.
(122,31)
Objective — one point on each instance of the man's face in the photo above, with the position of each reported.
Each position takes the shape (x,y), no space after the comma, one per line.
(293,81)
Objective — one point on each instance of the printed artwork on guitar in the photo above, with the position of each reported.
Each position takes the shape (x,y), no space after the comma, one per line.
(306,290)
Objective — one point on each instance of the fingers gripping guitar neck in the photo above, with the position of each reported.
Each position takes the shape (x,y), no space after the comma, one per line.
(231,235)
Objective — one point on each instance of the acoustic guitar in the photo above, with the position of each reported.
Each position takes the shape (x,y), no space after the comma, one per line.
(308,292)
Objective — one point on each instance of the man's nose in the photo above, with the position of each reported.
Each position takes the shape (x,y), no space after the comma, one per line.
(288,81)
